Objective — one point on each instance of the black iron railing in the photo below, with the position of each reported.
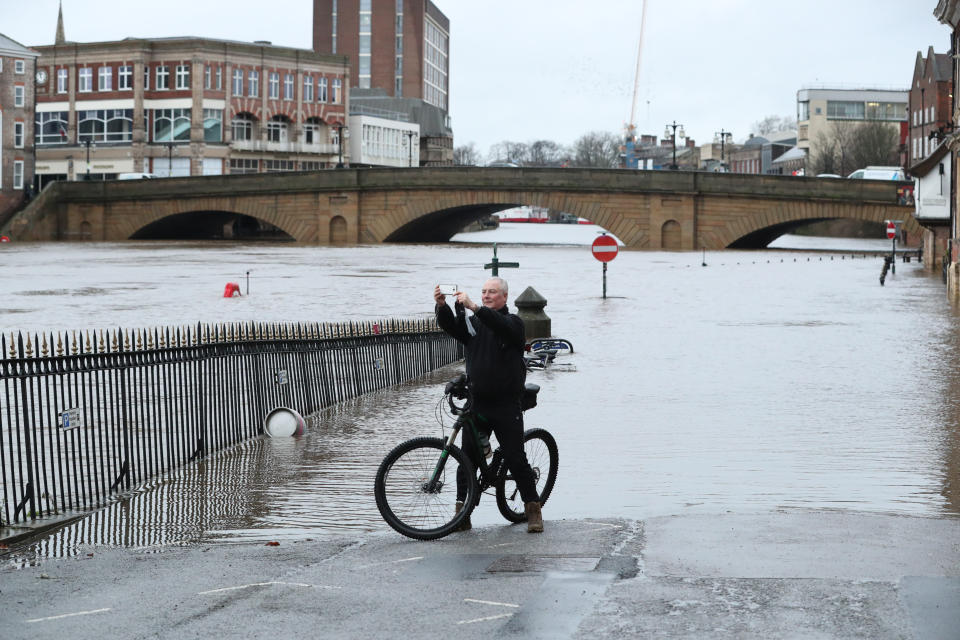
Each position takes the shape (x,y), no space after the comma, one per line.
(83,418)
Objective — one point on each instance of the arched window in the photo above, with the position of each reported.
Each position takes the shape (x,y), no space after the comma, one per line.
(278,128)
(243,126)
(312,131)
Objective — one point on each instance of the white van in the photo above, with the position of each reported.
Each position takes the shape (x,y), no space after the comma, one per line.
(879,173)
(135,176)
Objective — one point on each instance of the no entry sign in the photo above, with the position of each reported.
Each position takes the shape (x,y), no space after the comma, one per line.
(891,229)
(605,248)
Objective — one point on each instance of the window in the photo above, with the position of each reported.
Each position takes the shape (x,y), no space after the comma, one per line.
(335,97)
(146,77)
(62,75)
(238,82)
(273,85)
(19,67)
(275,166)
(212,125)
(321,89)
(277,129)
(125,77)
(85,80)
(309,166)
(219,78)
(308,88)
(183,76)
(288,86)
(18,130)
(333,24)
(844,110)
(171,125)
(18,174)
(207,77)
(364,37)
(311,133)
(244,165)
(105,79)
(18,95)
(163,77)
(242,126)
(51,127)
(253,84)
(105,125)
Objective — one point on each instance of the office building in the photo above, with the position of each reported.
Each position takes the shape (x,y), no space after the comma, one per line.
(17,77)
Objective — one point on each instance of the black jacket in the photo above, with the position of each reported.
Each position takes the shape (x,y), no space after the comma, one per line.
(494,356)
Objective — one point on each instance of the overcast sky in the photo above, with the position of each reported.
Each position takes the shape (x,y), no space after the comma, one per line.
(524,70)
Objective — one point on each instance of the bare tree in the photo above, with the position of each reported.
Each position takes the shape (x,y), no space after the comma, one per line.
(509,151)
(466,155)
(845,146)
(597,149)
(772,123)
(545,153)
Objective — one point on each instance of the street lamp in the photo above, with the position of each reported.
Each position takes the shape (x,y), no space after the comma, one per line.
(88,143)
(169,146)
(340,144)
(410,135)
(723,138)
(671,132)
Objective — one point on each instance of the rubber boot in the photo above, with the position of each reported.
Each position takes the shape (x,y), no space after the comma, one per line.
(534,517)
(465,525)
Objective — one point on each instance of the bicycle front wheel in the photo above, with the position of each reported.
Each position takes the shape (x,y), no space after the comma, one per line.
(416,488)
(542,454)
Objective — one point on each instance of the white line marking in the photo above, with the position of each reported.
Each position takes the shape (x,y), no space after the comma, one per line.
(261,584)
(603,248)
(499,604)
(502,615)
(378,564)
(502,544)
(69,615)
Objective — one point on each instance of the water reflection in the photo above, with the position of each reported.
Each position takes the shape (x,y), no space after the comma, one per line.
(765,380)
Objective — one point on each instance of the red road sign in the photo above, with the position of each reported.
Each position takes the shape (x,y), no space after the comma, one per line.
(891,229)
(605,248)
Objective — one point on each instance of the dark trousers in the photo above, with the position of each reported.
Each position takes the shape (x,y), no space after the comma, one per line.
(506,422)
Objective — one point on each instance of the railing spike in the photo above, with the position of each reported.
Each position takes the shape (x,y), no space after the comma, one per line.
(29,347)
(43,348)
(59,344)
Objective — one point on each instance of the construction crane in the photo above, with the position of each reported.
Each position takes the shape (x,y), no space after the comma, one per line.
(630,143)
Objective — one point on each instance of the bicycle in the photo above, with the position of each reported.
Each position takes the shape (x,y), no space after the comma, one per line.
(415,486)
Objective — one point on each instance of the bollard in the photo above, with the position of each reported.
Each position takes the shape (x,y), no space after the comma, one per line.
(530,306)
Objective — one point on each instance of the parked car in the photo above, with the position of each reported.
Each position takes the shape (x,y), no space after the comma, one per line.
(879,173)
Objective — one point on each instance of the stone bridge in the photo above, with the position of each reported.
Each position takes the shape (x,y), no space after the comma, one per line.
(645,209)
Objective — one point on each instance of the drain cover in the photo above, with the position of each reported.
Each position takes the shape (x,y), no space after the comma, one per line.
(523,564)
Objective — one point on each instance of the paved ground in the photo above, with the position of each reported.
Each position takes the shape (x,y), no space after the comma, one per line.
(777,575)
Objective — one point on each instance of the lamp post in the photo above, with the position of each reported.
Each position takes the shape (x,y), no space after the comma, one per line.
(169,146)
(723,138)
(340,144)
(671,132)
(88,143)
(410,135)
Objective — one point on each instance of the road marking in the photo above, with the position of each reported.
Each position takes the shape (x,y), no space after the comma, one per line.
(499,604)
(263,584)
(502,615)
(379,564)
(502,544)
(69,615)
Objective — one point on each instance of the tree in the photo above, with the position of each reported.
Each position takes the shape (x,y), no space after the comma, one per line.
(845,146)
(772,124)
(597,149)
(466,155)
(509,151)
(545,153)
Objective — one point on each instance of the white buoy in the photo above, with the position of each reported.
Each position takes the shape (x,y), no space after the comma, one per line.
(283,422)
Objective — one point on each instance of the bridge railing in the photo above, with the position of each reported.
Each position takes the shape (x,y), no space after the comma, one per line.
(85,417)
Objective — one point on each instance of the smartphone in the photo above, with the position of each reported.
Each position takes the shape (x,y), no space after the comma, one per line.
(448,289)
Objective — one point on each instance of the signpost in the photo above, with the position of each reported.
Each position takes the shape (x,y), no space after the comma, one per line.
(604,249)
(893,230)
(495,264)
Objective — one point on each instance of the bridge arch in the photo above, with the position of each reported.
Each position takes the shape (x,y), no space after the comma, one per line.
(670,235)
(159,215)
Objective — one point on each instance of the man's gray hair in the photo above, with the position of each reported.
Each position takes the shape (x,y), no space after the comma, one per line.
(501,283)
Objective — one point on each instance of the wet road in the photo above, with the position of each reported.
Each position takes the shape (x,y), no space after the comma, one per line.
(765,381)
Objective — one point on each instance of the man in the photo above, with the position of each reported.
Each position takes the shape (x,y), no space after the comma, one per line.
(493,339)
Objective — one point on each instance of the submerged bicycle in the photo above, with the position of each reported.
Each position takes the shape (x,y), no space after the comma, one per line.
(416,484)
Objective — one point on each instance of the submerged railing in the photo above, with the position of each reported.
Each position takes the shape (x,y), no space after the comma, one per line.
(85,417)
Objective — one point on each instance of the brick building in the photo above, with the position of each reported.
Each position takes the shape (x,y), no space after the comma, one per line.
(929,106)
(400,46)
(186,106)
(17,73)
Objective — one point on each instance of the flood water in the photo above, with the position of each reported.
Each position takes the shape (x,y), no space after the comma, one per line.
(765,380)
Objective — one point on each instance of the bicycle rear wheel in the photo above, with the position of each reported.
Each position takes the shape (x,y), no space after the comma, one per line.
(407,500)
(542,454)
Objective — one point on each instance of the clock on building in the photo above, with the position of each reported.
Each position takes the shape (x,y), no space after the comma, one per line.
(41,76)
